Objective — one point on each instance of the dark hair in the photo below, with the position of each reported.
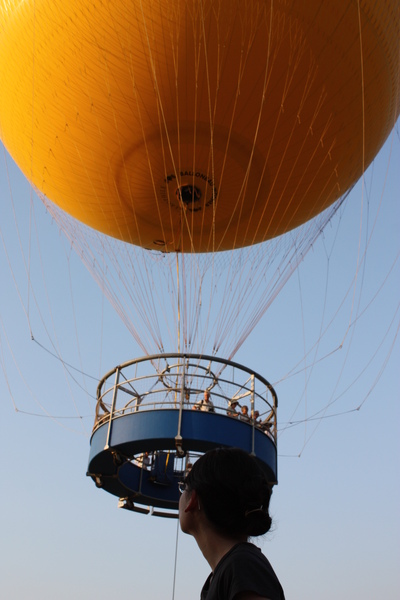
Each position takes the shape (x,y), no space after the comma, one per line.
(234,491)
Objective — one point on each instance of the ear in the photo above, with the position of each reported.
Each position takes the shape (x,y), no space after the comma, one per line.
(193,503)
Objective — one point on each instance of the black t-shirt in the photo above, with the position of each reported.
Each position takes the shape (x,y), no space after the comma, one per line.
(243,569)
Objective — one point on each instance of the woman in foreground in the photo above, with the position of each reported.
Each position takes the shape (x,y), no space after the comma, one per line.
(225,501)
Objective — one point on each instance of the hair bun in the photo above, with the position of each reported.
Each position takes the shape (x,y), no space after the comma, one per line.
(257,521)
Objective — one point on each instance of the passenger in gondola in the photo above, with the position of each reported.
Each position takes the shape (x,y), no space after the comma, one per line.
(244,415)
(255,418)
(232,412)
(144,461)
(267,427)
(205,403)
(267,424)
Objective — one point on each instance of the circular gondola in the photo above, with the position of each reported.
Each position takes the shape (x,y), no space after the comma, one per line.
(152,422)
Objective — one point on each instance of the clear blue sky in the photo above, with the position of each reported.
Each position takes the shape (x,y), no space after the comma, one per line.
(336,517)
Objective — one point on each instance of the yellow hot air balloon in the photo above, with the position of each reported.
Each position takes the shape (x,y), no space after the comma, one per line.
(196,125)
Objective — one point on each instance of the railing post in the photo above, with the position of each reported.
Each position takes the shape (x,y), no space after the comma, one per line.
(114,399)
(252,413)
(178,437)
(275,409)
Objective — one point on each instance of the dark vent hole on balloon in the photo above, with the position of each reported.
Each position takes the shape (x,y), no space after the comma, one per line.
(189,194)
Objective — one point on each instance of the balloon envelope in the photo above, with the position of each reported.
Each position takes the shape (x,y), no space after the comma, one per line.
(196,125)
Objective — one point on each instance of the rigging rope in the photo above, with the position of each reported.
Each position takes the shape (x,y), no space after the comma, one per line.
(176,558)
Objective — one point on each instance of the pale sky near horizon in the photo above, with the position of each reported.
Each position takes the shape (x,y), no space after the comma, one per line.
(336,519)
